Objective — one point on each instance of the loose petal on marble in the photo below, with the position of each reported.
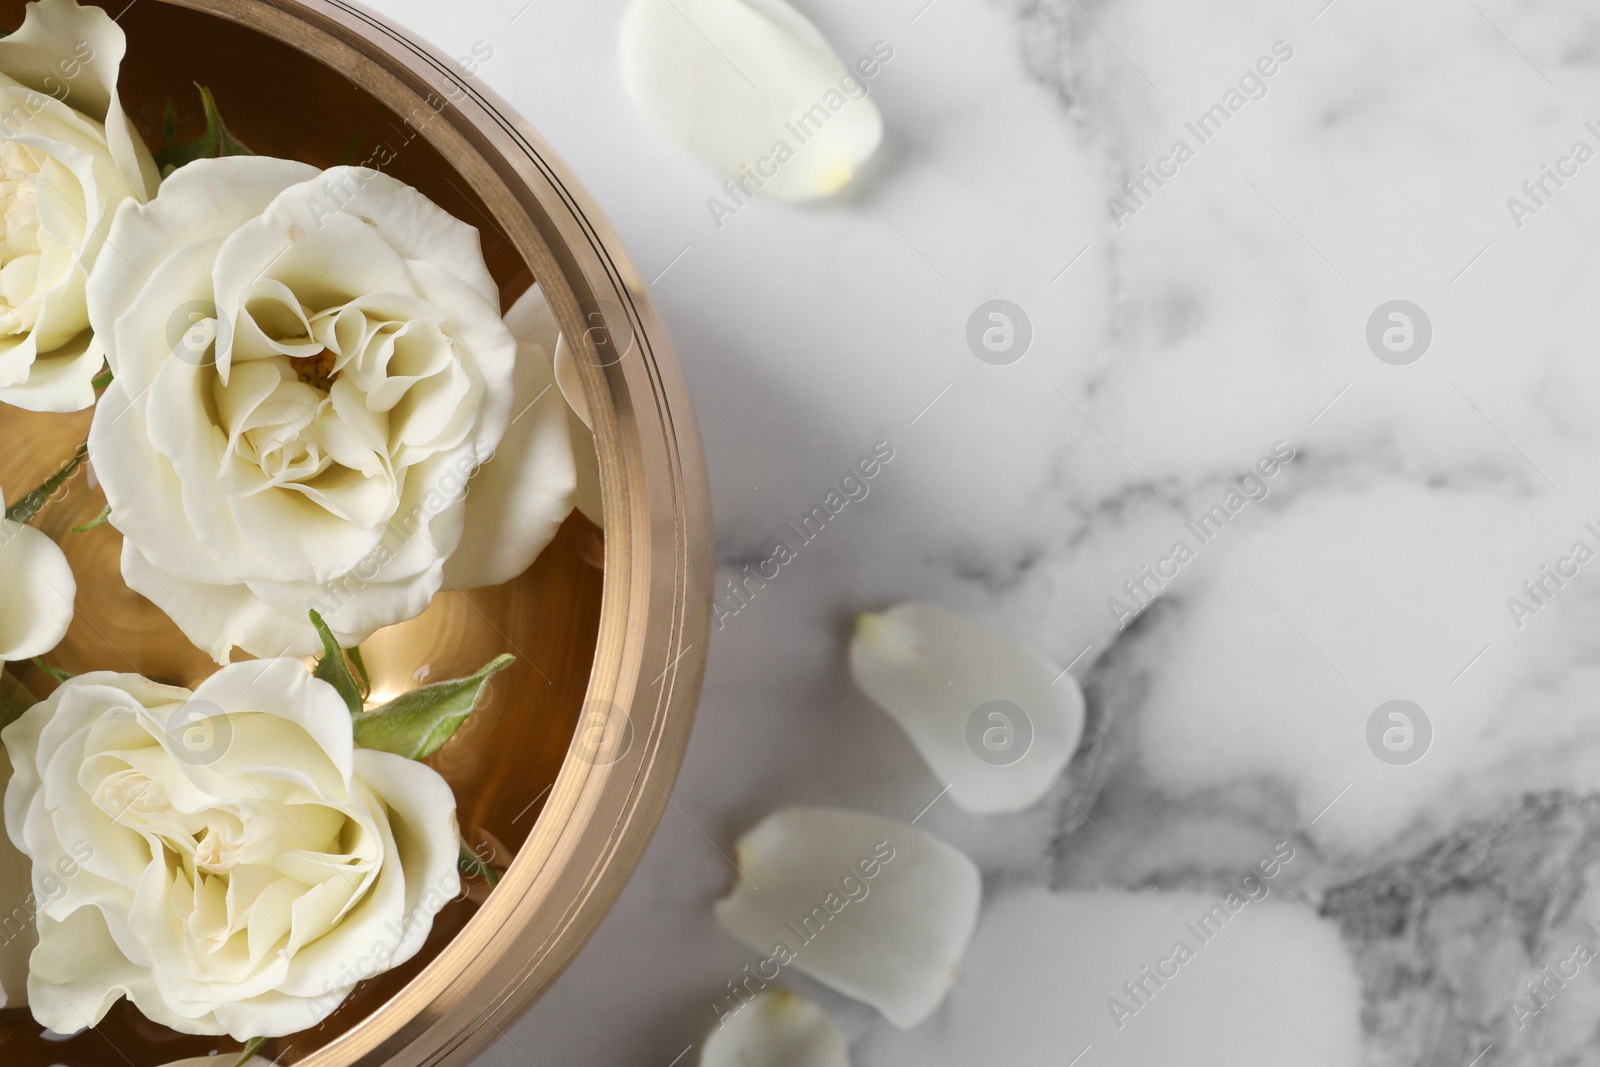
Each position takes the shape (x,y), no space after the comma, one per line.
(994,721)
(37,591)
(776,1029)
(870,907)
(733,80)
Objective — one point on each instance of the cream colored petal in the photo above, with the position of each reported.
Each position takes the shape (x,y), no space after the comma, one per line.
(65,45)
(416,227)
(311,704)
(581,429)
(37,591)
(518,499)
(736,79)
(994,721)
(205,200)
(776,1029)
(422,873)
(219,617)
(531,319)
(60,381)
(587,498)
(567,379)
(870,907)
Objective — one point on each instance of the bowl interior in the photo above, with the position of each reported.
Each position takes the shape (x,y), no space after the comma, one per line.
(503,763)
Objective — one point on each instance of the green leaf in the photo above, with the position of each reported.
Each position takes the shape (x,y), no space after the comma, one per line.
(96,522)
(215,142)
(55,672)
(333,669)
(30,505)
(103,379)
(251,1047)
(15,698)
(169,121)
(473,866)
(418,723)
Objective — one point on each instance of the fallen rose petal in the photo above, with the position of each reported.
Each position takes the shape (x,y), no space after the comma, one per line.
(993,720)
(37,591)
(776,1029)
(870,907)
(754,88)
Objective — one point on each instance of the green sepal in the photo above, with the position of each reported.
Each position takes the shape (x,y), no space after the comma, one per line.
(363,679)
(418,723)
(333,669)
(33,503)
(473,866)
(96,522)
(103,379)
(217,141)
(55,672)
(251,1047)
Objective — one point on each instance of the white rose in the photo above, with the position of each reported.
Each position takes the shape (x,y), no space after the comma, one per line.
(69,157)
(243,866)
(310,366)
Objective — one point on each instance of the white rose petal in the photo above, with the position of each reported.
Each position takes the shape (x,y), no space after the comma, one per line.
(227,859)
(736,79)
(776,1029)
(533,324)
(992,719)
(872,908)
(521,496)
(571,386)
(37,591)
(311,368)
(68,158)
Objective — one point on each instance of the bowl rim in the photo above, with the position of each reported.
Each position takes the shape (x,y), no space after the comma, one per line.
(655,617)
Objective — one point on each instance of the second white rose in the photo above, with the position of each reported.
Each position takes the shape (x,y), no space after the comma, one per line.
(227,859)
(310,368)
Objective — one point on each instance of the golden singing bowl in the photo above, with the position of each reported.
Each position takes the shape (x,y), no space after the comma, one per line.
(566,768)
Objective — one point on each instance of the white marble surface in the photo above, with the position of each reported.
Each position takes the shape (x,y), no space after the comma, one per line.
(1227,313)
